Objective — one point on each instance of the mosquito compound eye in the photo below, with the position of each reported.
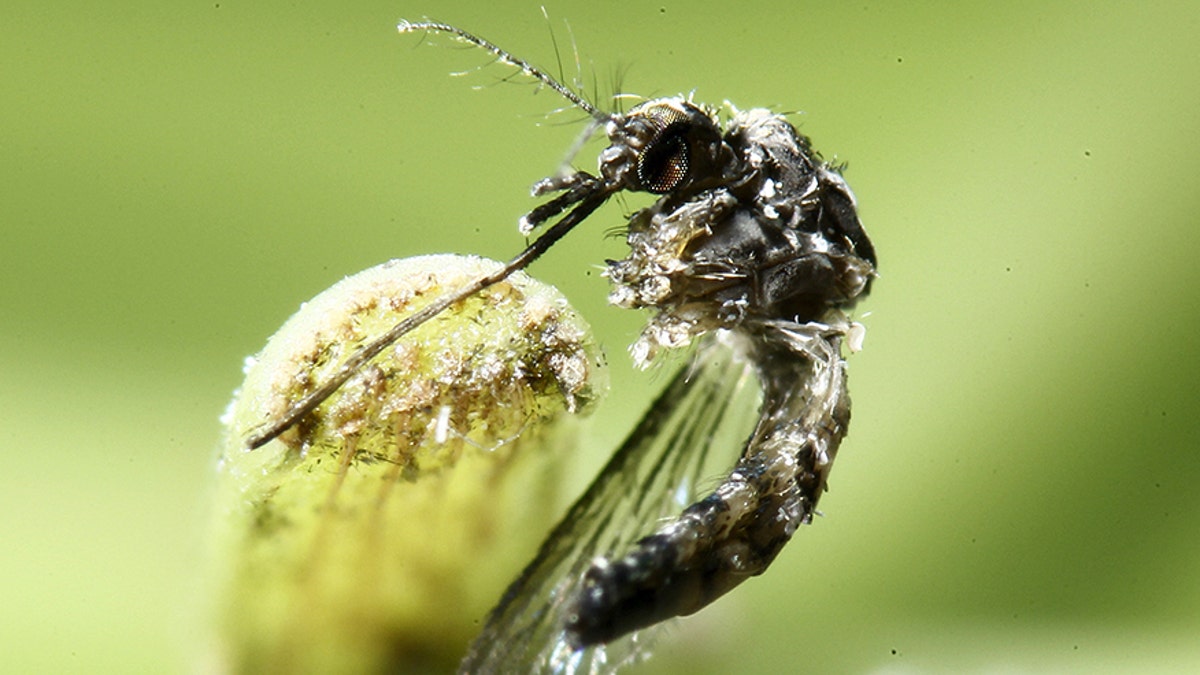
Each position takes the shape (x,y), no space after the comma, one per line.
(666,160)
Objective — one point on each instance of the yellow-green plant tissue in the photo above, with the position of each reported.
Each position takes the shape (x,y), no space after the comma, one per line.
(375,534)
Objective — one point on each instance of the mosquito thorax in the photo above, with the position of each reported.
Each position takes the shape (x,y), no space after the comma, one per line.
(752,226)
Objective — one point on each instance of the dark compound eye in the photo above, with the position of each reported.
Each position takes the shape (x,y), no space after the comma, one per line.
(666,160)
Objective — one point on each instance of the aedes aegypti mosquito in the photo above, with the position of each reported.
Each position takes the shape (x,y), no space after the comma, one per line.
(754,250)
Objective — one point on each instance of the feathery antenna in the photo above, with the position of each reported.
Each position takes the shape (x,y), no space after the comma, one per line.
(505,57)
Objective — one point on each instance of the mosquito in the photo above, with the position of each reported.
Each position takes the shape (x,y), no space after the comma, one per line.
(753,251)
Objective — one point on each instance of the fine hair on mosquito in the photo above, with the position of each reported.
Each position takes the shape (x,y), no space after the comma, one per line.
(752,253)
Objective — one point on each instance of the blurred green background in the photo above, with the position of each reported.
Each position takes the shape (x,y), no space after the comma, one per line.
(1018,493)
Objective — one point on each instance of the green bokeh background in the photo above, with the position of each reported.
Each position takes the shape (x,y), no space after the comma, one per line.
(1018,493)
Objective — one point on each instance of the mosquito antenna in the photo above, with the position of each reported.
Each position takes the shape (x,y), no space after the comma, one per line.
(618,83)
(504,57)
(554,42)
(578,79)
(588,201)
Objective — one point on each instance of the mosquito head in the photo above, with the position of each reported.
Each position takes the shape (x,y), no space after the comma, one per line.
(664,145)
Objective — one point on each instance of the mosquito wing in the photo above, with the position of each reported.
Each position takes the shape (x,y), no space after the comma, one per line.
(694,431)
